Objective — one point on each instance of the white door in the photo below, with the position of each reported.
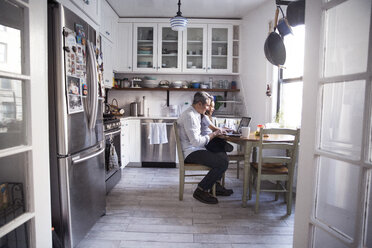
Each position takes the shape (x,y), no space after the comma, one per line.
(25,216)
(195,48)
(145,47)
(334,196)
(169,49)
(124,47)
(108,58)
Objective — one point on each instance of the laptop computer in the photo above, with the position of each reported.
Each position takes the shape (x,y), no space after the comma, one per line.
(244,122)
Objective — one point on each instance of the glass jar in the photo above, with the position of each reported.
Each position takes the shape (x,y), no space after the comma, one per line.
(258,130)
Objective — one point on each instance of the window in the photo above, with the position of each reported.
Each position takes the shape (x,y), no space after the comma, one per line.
(289,104)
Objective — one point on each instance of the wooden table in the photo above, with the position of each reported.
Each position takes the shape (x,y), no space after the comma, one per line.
(248,143)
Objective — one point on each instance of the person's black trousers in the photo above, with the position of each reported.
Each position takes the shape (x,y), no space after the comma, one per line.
(216,145)
(217,161)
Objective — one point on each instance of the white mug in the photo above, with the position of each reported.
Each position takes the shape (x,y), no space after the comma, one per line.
(245,131)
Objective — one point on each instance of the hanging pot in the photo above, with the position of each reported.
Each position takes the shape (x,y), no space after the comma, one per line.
(296,13)
(274,47)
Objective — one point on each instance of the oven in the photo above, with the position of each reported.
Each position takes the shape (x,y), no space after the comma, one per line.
(112,152)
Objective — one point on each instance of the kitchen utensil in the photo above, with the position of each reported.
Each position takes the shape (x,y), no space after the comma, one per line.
(274,47)
(177,84)
(195,85)
(173,110)
(147,83)
(133,109)
(164,84)
(114,107)
(296,13)
(283,26)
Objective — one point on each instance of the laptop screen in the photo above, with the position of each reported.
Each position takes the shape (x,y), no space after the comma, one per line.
(244,123)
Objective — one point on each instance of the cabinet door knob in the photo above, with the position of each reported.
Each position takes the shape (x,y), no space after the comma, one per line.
(129,67)
(154,67)
(158,67)
(203,68)
(209,68)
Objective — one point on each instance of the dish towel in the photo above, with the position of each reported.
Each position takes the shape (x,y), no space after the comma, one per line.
(158,133)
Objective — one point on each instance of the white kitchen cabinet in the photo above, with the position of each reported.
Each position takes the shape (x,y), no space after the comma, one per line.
(134,141)
(109,21)
(156,48)
(130,141)
(90,7)
(108,61)
(124,47)
(124,143)
(208,48)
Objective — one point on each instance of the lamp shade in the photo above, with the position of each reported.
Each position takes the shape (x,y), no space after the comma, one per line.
(178,23)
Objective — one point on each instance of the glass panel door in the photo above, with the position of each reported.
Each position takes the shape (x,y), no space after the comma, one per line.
(195,48)
(169,58)
(339,128)
(220,48)
(144,47)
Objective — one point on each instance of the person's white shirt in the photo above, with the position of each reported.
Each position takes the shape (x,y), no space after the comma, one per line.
(205,123)
(189,124)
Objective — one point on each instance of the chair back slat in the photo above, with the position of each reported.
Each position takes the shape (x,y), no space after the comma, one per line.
(277,146)
(178,145)
(284,131)
(276,160)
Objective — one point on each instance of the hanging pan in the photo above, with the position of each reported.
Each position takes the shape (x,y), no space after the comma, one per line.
(274,47)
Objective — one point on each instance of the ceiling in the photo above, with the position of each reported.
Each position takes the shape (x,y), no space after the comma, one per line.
(189,8)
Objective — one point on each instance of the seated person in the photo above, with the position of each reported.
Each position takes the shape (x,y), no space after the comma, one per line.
(193,148)
(217,144)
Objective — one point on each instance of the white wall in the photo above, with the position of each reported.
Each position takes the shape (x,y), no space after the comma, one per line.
(256,71)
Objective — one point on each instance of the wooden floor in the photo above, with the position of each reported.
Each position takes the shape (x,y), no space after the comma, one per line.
(143,210)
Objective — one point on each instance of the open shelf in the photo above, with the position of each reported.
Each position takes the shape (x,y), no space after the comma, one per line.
(177,89)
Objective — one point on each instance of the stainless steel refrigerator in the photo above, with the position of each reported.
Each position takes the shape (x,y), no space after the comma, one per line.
(76,125)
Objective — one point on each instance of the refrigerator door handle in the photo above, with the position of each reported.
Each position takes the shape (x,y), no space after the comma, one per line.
(77,160)
(94,109)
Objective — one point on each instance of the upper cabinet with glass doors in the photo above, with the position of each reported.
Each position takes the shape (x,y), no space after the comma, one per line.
(157,48)
(208,48)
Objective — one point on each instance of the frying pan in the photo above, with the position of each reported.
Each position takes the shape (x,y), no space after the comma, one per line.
(274,47)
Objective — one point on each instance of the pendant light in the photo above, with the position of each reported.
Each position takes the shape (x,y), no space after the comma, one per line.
(178,23)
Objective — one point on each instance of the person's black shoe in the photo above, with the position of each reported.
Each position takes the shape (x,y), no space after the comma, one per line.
(228,147)
(222,191)
(204,197)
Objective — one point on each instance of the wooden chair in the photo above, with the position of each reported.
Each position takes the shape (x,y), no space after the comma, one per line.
(275,168)
(187,167)
(236,157)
